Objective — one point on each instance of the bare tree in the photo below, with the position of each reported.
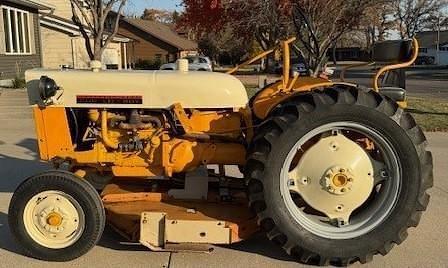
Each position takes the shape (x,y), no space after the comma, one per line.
(159,15)
(438,22)
(321,23)
(414,16)
(444,23)
(377,23)
(267,22)
(318,23)
(91,17)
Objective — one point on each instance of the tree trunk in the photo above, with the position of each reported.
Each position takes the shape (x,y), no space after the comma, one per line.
(269,64)
(335,61)
(98,50)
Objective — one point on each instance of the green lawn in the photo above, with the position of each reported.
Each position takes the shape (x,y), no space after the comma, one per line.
(251,90)
(430,114)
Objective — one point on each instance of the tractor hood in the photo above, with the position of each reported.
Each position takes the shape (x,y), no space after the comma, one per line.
(140,89)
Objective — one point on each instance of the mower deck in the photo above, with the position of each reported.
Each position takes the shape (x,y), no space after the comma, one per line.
(135,214)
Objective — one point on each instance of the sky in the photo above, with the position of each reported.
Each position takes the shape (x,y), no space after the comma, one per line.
(136,7)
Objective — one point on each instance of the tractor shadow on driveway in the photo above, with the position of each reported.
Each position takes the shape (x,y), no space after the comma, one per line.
(15,168)
(259,244)
(112,240)
(7,242)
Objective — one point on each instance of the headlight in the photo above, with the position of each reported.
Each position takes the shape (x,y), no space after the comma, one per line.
(47,87)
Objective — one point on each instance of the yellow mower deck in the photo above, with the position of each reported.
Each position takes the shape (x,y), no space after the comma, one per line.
(131,211)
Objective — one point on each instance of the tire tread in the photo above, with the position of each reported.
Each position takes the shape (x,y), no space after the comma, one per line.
(300,107)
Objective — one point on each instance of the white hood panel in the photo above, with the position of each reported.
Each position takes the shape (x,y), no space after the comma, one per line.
(155,89)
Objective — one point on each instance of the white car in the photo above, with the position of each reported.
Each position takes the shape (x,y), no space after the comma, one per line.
(196,63)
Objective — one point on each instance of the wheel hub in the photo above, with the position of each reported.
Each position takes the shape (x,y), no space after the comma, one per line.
(53,219)
(338,180)
(335,176)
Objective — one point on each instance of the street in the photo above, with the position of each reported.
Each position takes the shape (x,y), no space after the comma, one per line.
(426,246)
(420,83)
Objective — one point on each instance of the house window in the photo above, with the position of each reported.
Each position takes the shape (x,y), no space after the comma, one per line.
(17,31)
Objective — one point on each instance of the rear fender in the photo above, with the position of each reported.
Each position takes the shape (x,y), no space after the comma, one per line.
(273,95)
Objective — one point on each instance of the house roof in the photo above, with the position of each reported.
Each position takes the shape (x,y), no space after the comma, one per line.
(67,26)
(33,4)
(428,39)
(163,32)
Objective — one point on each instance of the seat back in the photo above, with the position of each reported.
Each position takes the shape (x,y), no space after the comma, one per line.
(392,51)
(394,78)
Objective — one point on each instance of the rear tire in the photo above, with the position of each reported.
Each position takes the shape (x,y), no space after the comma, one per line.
(293,120)
(75,206)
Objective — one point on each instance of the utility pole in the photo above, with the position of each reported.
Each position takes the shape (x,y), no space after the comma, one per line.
(438,40)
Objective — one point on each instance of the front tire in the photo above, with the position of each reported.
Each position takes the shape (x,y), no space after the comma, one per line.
(56,216)
(309,234)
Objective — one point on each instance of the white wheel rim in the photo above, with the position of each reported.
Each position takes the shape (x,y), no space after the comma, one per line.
(54,219)
(371,218)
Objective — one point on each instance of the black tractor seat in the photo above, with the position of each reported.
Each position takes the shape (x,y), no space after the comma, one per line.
(397,94)
(394,56)
(393,83)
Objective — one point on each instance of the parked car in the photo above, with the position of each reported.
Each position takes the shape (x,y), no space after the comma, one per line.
(425,60)
(196,63)
(295,67)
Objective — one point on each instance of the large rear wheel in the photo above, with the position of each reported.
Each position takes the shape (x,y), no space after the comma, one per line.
(339,175)
(56,216)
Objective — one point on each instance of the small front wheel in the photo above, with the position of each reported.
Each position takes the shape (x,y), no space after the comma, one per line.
(56,216)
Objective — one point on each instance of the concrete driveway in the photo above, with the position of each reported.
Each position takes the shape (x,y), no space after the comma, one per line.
(426,246)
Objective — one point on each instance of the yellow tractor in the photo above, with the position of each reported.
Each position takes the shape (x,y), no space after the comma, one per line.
(333,173)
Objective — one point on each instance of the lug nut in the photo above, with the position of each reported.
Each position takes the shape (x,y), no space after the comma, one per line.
(305,181)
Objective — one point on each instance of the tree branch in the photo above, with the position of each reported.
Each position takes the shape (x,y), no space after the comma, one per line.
(77,21)
(116,25)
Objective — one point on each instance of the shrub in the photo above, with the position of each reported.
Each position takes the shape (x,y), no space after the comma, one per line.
(148,64)
(19,82)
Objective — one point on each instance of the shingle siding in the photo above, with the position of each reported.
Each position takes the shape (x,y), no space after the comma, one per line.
(13,65)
